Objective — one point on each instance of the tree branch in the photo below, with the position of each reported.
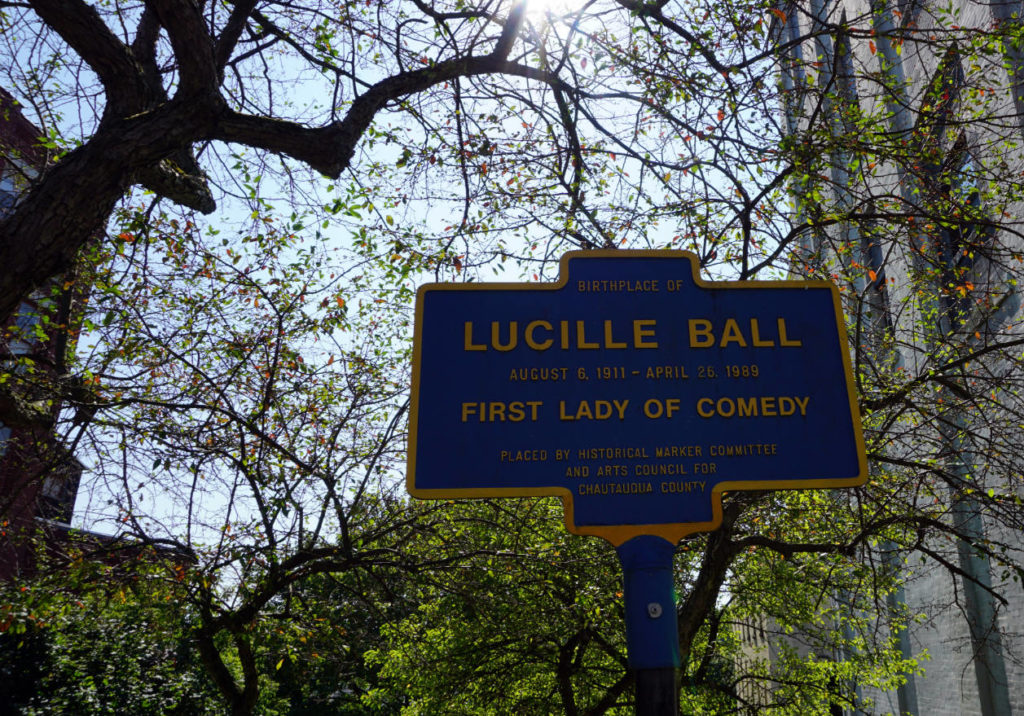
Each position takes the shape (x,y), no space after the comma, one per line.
(83,29)
(330,149)
(228,39)
(193,47)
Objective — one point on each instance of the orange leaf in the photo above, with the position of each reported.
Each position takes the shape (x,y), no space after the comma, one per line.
(871,46)
(778,13)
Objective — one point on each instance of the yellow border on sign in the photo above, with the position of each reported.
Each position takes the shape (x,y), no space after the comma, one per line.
(617,534)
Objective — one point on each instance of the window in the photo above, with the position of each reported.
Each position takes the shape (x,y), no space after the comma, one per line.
(964,235)
(965,229)
(906,12)
(60,487)
(957,221)
(936,119)
(846,77)
(8,194)
(15,178)
(21,334)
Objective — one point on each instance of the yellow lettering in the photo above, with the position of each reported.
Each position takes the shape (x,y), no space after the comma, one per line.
(700,333)
(644,328)
(725,407)
(802,403)
(528,336)
(784,339)
(755,336)
(581,341)
(732,334)
(513,336)
(747,407)
(620,406)
(653,408)
(469,344)
(608,342)
(514,412)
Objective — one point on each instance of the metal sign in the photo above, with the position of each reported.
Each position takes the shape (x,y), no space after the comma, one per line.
(633,390)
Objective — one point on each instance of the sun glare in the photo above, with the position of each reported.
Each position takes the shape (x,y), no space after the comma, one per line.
(550,9)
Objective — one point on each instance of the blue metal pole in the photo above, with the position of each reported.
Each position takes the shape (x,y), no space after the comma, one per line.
(652,634)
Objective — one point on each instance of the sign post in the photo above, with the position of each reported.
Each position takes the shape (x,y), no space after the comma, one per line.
(652,635)
(638,394)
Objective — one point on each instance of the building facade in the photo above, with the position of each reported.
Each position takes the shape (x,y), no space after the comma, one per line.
(916,205)
(39,476)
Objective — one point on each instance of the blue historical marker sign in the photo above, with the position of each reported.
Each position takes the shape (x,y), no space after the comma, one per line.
(633,390)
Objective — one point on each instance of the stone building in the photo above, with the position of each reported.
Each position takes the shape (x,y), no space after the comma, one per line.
(941,83)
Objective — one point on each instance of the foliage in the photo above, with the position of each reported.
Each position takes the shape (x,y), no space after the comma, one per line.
(112,651)
(317,655)
(528,622)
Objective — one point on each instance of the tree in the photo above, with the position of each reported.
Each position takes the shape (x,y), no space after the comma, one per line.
(151,113)
(529,622)
(252,366)
(264,411)
(238,413)
(111,651)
